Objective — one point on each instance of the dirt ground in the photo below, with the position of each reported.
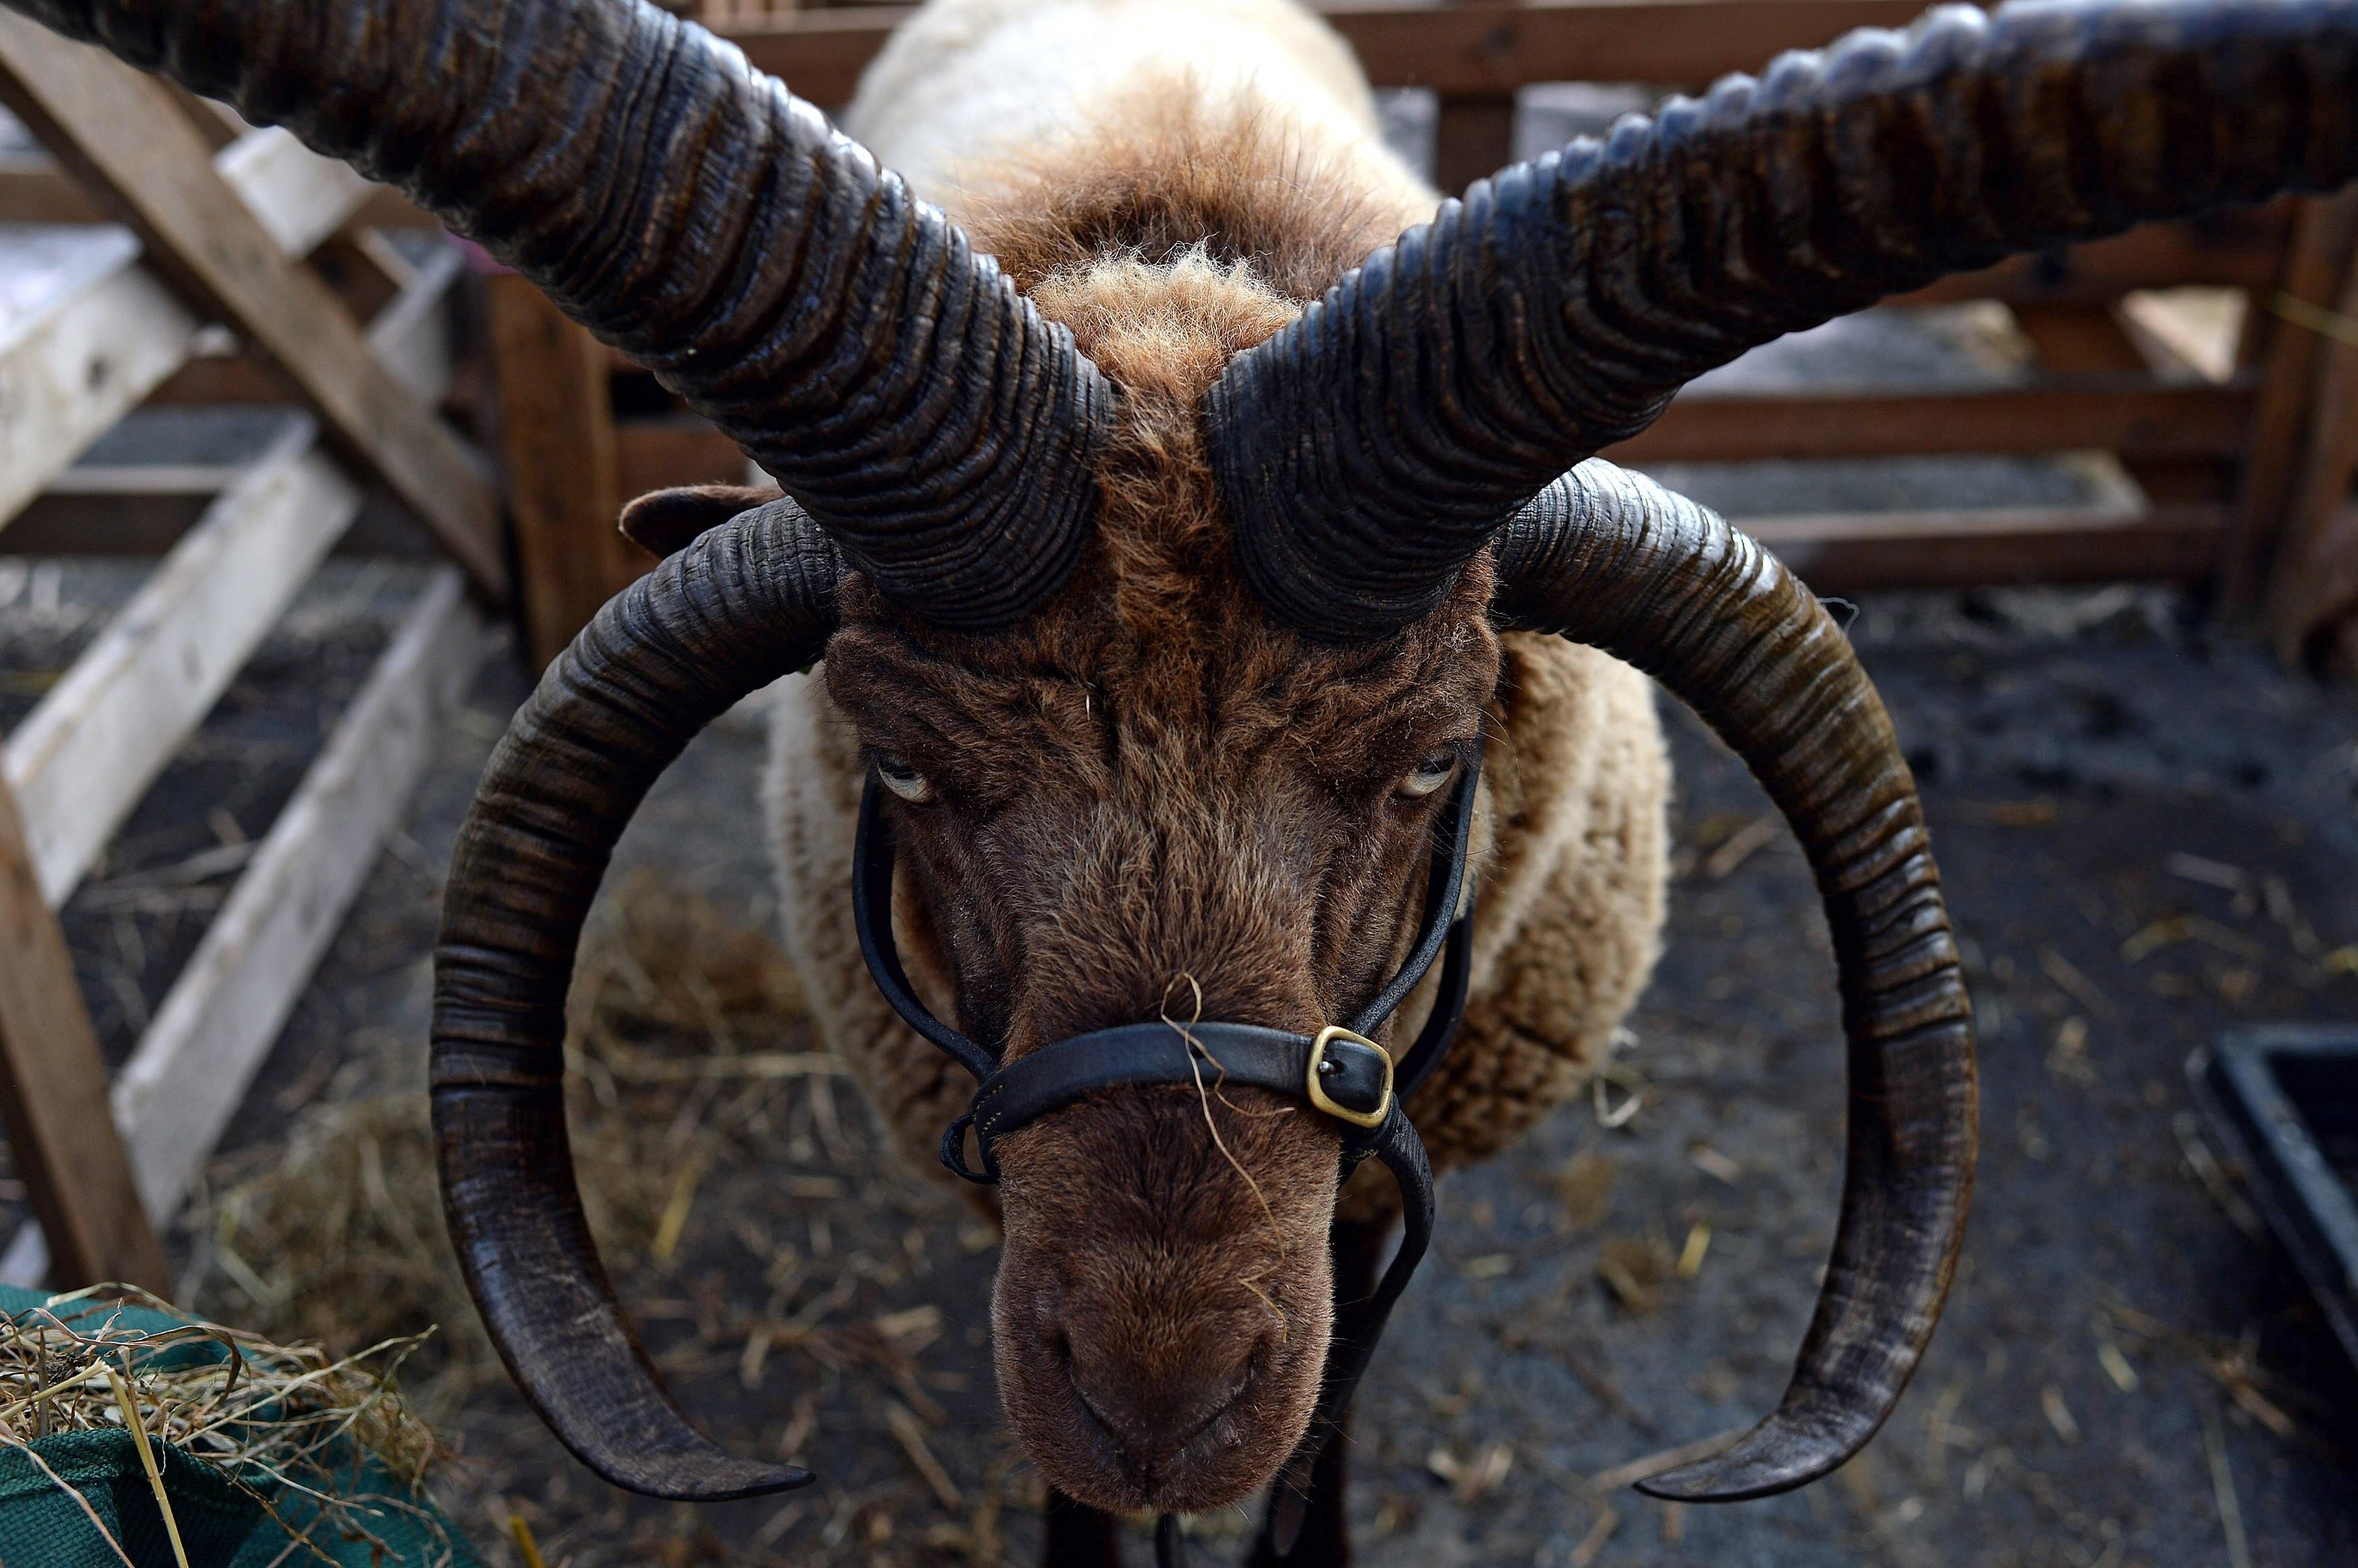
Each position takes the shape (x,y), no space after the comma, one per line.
(2149,835)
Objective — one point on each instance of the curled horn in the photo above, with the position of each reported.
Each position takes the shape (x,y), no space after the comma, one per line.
(1368,451)
(742,606)
(691,212)
(1607,558)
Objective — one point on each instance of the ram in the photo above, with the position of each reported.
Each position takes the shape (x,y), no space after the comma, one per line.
(1222,622)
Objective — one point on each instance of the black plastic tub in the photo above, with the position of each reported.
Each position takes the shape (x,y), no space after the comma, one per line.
(2285,1099)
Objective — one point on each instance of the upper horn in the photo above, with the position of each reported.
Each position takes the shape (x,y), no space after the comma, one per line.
(1367,451)
(691,212)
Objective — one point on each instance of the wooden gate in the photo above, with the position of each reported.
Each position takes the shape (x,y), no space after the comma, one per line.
(199,287)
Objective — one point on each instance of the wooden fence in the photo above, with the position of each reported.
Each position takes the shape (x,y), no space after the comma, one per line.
(209,283)
(2242,471)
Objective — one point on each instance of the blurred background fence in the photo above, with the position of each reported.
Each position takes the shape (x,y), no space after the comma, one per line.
(215,348)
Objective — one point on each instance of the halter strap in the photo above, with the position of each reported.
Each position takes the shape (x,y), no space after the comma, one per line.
(1339,1071)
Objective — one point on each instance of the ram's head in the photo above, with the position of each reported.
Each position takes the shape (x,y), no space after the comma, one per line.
(1140,807)
(1380,482)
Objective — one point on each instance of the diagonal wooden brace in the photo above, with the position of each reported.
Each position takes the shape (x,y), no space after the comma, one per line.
(129,140)
(53,1093)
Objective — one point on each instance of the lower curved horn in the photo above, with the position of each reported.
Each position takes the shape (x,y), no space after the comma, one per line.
(747,603)
(1612,559)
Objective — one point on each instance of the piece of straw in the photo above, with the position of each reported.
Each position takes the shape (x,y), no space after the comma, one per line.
(2223,1489)
(139,1430)
(1653,1465)
(526,1544)
(673,1223)
(1691,1255)
(911,1434)
(1203,1097)
(1608,1521)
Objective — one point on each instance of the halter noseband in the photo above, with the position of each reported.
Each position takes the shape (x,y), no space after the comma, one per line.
(1340,1072)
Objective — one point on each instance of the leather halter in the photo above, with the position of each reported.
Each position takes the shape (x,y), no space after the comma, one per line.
(1339,1071)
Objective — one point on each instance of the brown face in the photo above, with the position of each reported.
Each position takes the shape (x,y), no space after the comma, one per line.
(1146,805)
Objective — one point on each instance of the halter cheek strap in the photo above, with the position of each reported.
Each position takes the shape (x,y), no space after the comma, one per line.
(1339,1071)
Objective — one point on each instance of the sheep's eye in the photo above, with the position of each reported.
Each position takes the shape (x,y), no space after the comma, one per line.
(903,780)
(1430,775)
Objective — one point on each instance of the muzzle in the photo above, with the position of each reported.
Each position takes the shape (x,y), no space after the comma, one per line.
(1340,1072)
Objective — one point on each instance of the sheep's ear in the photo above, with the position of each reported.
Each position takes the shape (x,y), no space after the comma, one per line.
(665,521)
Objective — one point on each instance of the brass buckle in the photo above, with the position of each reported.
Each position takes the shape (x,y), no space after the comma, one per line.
(1328,1036)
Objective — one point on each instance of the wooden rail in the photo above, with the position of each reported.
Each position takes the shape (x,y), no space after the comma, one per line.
(94,320)
(1481,47)
(191,1067)
(1860,551)
(557,435)
(2128,416)
(126,133)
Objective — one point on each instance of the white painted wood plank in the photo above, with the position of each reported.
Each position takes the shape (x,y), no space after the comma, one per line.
(145,478)
(83,759)
(44,263)
(25,1264)
(86,335)
(413,337)
(300,197)
(191,1068)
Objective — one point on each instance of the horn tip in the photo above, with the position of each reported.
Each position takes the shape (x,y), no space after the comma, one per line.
(1773,1457)
(707,1476)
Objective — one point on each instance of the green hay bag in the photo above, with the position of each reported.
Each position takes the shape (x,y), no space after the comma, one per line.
(377,1522)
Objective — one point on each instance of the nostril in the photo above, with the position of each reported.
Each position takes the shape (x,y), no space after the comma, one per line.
(1151,1411)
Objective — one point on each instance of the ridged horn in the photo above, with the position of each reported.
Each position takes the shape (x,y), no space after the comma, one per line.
(1367,451)
(1609,559)
(691,212)
(743,605)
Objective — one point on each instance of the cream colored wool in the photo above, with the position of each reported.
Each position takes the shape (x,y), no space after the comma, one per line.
(965,84)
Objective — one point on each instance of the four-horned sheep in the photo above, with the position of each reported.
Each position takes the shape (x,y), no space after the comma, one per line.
(1172,522)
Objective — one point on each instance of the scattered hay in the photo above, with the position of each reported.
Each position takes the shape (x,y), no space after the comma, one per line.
(672,1065)
(1586,1185)
(273,1420)
(342,1242)
(1637,1269)
(777,1262)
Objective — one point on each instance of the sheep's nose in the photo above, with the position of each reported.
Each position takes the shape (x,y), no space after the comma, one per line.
(1152,1410)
